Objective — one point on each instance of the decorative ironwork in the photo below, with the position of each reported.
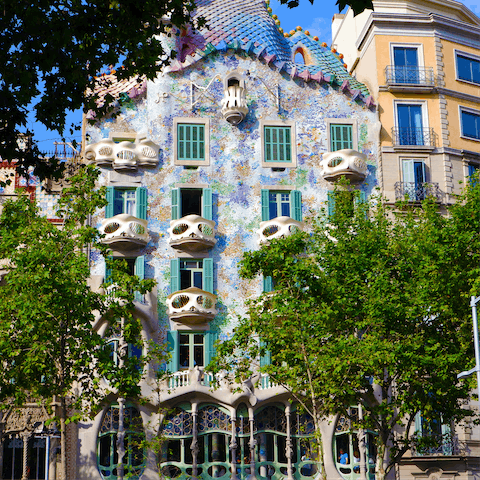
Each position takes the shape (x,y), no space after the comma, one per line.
(179,423)
(424,137)
(409,75)
(438,445)
(302,424)
(212,418)
(421,137)
(271,418)
(416,192)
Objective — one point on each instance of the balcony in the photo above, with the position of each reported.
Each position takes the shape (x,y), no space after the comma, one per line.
(192,232)
(124,232)
(344,163)
(439,445)
(279,227)
(410,76)
(192,306)
(417,192)
(413,137)
(234,104)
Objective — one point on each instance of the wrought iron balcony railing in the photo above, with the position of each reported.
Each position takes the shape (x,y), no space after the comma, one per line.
(277,228)
(411,75)
(439,445)
(416,192)
(424,137)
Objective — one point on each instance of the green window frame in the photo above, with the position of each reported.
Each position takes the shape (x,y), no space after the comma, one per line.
(273,199)
(277,144)
(126,200)
(206,270)
(348,203)
(341,136)
(191,142)
(205,207)
(135,456)
(136,266)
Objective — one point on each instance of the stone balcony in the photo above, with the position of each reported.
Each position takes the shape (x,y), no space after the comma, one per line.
(344,163)
(125,155)
(192,232)
(124,232)
(234,104)
(279,227)
(192,306)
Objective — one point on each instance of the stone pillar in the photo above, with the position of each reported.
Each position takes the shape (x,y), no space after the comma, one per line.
(233,447)
(120,438)
(362,447)
(252,444)
(262,454)
(194,446)
(25,437)
(289,444)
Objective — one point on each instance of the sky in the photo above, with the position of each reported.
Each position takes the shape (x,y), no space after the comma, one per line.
(316,18)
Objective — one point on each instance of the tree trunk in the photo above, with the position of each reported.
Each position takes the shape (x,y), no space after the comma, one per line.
(63,436)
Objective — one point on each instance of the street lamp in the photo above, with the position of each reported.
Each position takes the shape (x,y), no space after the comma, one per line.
(476,368)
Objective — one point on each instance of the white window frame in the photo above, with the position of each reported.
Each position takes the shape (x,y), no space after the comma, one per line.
(194,121)
(468,55)
(343,121)
(418,46)
(293,143)
(473,112)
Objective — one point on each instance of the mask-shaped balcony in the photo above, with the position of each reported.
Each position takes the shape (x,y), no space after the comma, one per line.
(192,232)
(234,104)
(192,306)
(279,227)
(124,232)
(125,155)
(344,163)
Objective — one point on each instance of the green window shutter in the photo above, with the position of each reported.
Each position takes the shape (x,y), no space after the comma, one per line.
(267,284)
(266,358)
(110,200)
(208,274)
(141,202)
(296,202)
(108,271)
(418,423)
(172,349)
(174,275)
(341,137)
(175,203)
(207,203)
(331,204)
(190,142)
(447,439)
(210,351)
(265,205)
(277,144)
(140,273)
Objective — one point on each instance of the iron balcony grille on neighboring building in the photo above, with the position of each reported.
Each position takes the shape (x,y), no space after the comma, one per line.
(424,137)
(416,192)
(439,445)
(409,75)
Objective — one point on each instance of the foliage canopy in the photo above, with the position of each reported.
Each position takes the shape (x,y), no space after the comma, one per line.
(371,309)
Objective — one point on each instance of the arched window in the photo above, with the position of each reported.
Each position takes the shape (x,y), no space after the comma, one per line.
(347,450)
(299,58)
(107,457)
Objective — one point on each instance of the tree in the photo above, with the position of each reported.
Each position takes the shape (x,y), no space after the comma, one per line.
(53,52)
(48,347)
(371,309)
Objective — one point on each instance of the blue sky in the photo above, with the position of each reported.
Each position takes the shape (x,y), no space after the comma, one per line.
(315,18)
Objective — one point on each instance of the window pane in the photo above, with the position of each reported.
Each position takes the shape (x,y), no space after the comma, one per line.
(197,279)
(105,443)
(470,125)
(198,355)
(468,69)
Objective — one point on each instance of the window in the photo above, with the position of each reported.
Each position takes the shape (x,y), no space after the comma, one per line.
(13,457)
(191,145)
(343,201)
(107,457)
(135,266)
(472,170)
(192,201)
(347,450)
(278,144)
(282,203)
(132,201)
(411,123)
(414,178)
(468,68)
(189,272)
(470,120)
(433,436)
(133,351)
(341,134)
(188,349)
(405,60)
